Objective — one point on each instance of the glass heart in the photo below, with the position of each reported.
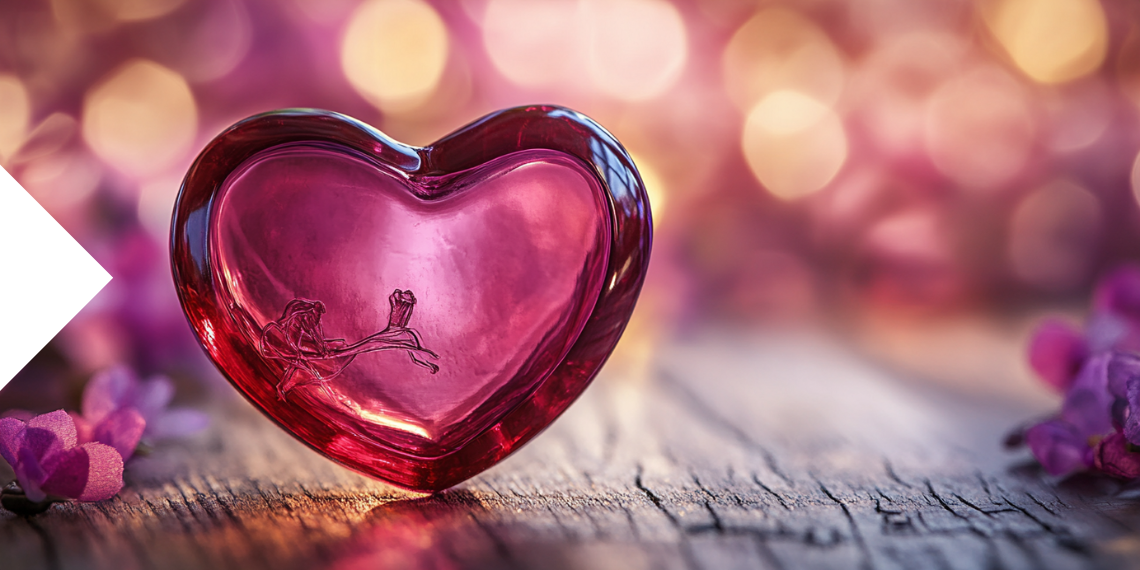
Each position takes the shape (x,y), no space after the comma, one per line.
(415,314)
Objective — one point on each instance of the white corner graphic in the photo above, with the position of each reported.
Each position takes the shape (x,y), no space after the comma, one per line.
(45,277)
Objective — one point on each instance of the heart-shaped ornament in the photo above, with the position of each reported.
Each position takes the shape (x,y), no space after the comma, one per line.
(415,314)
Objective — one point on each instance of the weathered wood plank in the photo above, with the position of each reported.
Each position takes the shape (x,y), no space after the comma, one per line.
(723,453)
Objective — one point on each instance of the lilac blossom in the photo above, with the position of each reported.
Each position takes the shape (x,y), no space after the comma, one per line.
(119,409)
(51,465)
(1056,353)
(1098,372)
(1112,456)
(1058,446)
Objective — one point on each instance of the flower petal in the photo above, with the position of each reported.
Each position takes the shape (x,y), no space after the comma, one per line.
(121,430)
(1105,331)
(1057,446)
(153,396)
(1119,292)
(11,436)
(1113,457)
(1056,353)
(30,465)
(108,391)
(59,423)
(1122,368)
(177,422)
(1088,405)
(84,430)
(90,472)
(1132,422)
(105,479)
(31,474)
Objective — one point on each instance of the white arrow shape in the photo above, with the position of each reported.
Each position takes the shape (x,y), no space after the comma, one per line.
(45,277)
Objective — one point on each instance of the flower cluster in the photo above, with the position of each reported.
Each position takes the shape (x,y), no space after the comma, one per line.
(1098,372)
(61,455)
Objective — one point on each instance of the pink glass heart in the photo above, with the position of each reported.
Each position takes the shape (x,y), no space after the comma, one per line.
(416,314)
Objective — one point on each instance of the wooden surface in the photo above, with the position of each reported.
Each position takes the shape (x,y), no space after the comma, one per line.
(720,452)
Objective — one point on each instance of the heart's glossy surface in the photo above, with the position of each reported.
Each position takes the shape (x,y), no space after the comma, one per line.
(415,314)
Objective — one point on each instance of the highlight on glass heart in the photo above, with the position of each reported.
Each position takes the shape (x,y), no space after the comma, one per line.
(524,235)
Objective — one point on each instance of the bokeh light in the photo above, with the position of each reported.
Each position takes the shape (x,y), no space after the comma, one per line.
(894,83)
(835,158)
(794,144)
(61,181)
(141,119)
(781,49)
(47,137)
(907,262)
(325,11)
(136,10)
(978,128)
(214,44)
(1077,114)
(1128,64)
(1052,41)
(156,202)
(638,47)
(1135,179)
(1053,233)
(394,52)
(654,185)
(15,112)
(533,43)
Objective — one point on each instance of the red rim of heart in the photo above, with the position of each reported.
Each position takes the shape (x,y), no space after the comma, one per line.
(493,136)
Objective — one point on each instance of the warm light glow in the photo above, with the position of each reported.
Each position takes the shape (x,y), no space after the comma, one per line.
(394,52)
(637,47)
(913,234)
(218,42)
(893,83)
(658,200)
(140,119)
(1077,114)
(380,418)
(780,49)
(15,111)
(325,11)
(978,129)
(156,202)
(1128,65)
(47,137)
(1136,178)
(1052,41)
(61,180)
(136,10)
(1053,234)
(533,43)
(794,144)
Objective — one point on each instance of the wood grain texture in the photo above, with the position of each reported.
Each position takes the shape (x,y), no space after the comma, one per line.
(718,453)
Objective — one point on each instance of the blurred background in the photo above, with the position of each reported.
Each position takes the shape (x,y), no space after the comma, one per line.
(923,178)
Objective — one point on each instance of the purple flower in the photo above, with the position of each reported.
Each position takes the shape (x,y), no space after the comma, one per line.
(1116,310)
(1088,403)
(1091,412)
(1056,352)
(1132,419)
(1058,447)
(119,410)
(1112,457)
(50,464)
(1118,293)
